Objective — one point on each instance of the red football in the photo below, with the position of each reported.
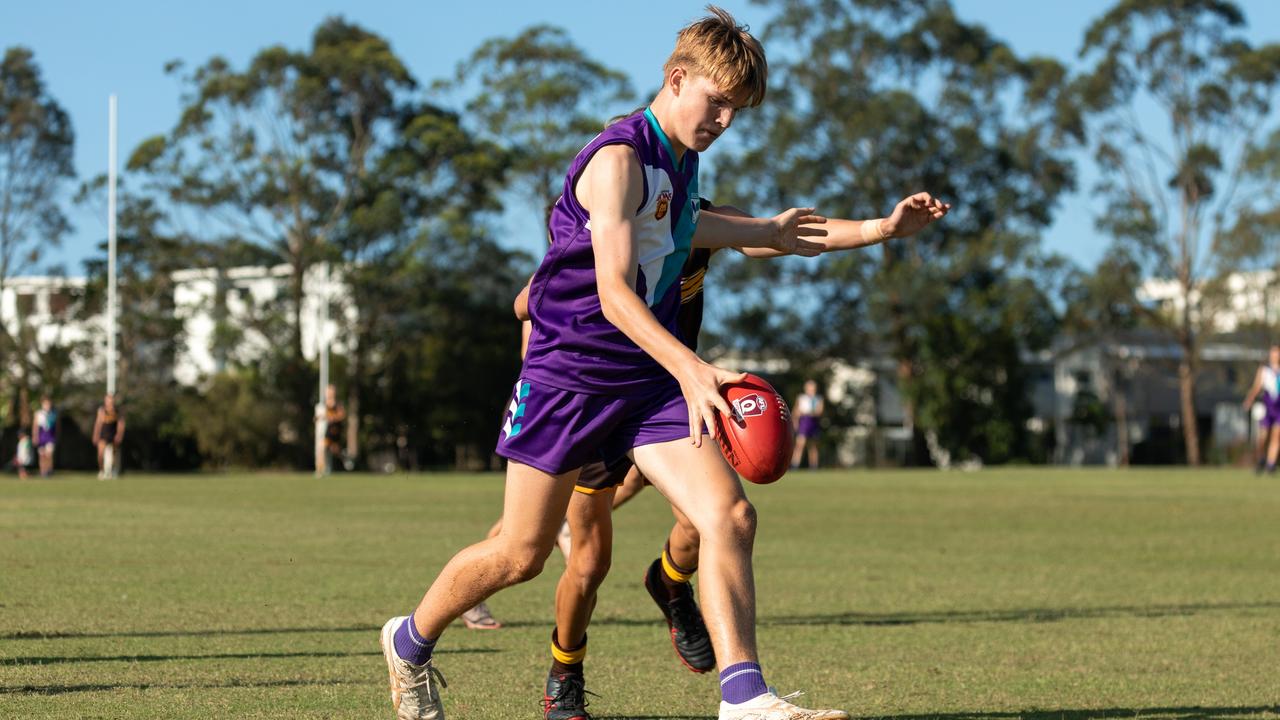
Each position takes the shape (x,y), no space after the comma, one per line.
(759,439)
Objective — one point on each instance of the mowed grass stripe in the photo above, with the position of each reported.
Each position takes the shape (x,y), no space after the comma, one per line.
(1000,594)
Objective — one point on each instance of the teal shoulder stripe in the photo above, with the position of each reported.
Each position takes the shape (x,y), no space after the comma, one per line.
(666,143)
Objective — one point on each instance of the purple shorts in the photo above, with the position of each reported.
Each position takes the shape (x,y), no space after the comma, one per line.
(1271,418)
(808,426)
(558,430)
(43,437)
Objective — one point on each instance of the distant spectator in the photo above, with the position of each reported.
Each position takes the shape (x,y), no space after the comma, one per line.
(108,434)
(44,429)
(808,412)
(22,458)
(335,418)
(1267,382)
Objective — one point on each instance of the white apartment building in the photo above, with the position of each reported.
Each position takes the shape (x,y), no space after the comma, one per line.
(1251,297)
(238,297)
(241,297)
(49,307)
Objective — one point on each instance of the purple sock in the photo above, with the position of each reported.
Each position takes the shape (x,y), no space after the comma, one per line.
(742,682)
(410,646)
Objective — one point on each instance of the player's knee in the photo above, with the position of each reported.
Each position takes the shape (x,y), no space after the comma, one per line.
(525,563)
(735,521)
(741,520)
(589,572)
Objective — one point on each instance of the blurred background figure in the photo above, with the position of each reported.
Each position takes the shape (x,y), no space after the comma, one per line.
(807,413)
(331,426)
(44,429)
(1267,383)
(23,453)
(108,434)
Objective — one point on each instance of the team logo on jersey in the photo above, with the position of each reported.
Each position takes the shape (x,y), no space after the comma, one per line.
(750,406)
(696,205)
(664,204)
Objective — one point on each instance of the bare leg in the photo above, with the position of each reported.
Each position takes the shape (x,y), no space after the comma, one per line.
(479,617)
(631,486)
(591,522)
(533,509)
(683,541)
(1273,445)
(813,455)
(700,484)
(799,451)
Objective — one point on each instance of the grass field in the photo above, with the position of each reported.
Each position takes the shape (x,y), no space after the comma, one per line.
(1034,593)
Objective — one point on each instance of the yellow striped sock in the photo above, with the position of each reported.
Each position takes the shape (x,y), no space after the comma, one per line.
(568,657)
(673,572)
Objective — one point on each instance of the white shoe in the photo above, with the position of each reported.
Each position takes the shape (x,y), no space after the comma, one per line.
(771,707)
(413,687)
(565,539)
(479,618)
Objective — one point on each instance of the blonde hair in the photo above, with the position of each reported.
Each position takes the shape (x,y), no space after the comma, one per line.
(720,49)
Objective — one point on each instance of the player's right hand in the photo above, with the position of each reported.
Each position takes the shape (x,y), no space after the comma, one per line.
(700,384)
(790,230)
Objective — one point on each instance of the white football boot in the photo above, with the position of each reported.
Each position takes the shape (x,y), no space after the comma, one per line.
(771,707)
(414,694)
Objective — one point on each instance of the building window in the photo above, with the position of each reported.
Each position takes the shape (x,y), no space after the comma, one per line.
(60,301)
(26,302)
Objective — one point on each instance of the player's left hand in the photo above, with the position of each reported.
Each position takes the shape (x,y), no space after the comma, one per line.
(912,215)
(792,227)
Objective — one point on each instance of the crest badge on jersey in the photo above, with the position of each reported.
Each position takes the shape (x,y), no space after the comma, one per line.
(664,204)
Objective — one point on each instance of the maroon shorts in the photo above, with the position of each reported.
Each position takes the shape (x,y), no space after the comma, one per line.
(598,477)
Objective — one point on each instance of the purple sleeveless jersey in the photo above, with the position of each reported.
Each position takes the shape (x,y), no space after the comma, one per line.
(573,347)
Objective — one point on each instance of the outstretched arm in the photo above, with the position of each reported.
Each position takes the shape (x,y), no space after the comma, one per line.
(909,217)
(610,189)
(784,233)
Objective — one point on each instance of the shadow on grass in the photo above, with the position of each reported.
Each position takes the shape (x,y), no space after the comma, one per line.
(654,717)
(1147,713)
(61,635)
(1016,615)
(107,687)
(1020,615)
(36,660)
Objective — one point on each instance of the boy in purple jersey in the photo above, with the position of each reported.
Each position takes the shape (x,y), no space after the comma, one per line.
(605,374)
(599,491)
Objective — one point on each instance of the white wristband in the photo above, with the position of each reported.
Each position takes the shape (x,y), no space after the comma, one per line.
(872,230)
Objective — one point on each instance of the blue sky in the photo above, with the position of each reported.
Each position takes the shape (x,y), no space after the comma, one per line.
(89,49)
